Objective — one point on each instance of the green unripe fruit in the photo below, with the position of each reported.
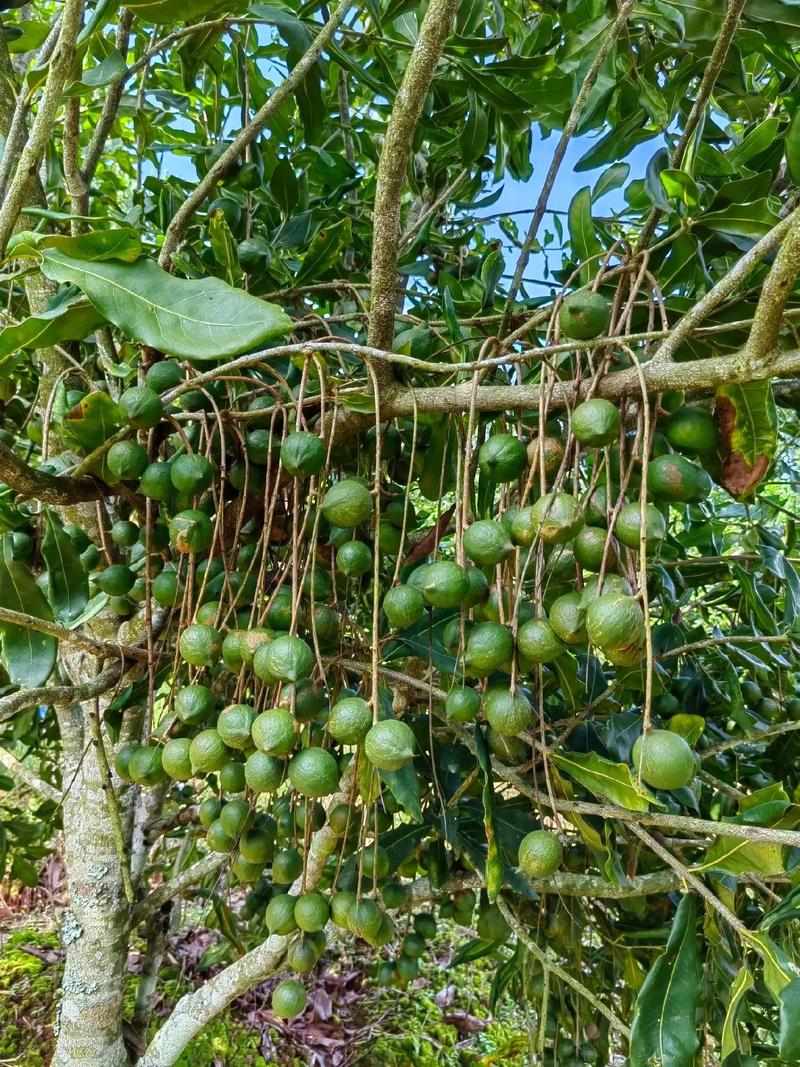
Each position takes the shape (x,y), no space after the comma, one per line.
(595,422)
(200,645)
(234,725)
(314,772)
(156,482)
(208,752)
(508,713)
(568,618)
(286,658)
(492,926)
(540,854)
(589,548)
(365,919)
(693,430)
(311,912)
(302,956)
(425,925)
(193,704)
(126,460)
(537,642)
(122,761)
(667,761)
(231,778)
(502,458)
(217,840)
(557,517)
(246,872)
(354,559)
(164,375)
(191,474)
(629,523)
(288,999)
(124,533)
(302,455)
(287,866)
(165,588)
(413,946)
(347,504)
(584,315)
(389,745)
(256,846)
(489,646)
(176,760)
(462,705)
(342,903)
(404,606)
(262,773)
(487,543)
(208,812)
(235,817)
(279,915)
(677,479)
(141,407)
(116,580)
(273,732)
(444,584)
(349,720)
(145,766)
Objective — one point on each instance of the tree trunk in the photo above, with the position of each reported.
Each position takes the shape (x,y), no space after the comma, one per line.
(95,927)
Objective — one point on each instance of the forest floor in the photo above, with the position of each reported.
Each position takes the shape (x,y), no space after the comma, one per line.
(442,1019)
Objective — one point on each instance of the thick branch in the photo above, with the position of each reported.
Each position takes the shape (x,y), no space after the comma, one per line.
(195,1010)
(49,488)
(563,883)
(246,136)
(62,633)
(393,163)
(608,42)
(772,300)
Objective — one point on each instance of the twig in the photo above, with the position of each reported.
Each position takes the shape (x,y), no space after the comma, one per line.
(114,817)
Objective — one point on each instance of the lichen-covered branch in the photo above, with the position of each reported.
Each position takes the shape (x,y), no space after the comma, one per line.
(30,156)
(393,163)
(176,886)
(26,776)
(49,488)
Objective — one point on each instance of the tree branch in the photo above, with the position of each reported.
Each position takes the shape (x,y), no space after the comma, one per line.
(558,971)
(62,633)
(563,883)
(194,1010)
(608,42)
(26,776)
(30,157)
(184,215)
(772,299)
(392,166)
(176,886)
(49,488)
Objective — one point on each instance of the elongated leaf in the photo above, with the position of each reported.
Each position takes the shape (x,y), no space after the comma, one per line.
(28,656)
(789,1038)
(67,581)
(224,247)
(118,243)
(583,241)
(111,69)
(614,781)
(792,148)
(404,787)
(748,434)
(787,910)
(779,970)
(613,177)
(751,220)
(70,321)
(663,1030)
(473,950)
(203,319)
(494,865)
(742,983)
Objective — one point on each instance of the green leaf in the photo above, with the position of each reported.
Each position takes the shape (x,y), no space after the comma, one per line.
(474,134)
(111,69)
(663,1031)
(67,581)
(493,876)
(404,787)
(473,950)
(614,781)
(323,251)
(679,185)
(223,246)
(789,1038)
(28,656)
(752,220)
(742,983)
(779,970)
(786,911)
(202,319)
(71,320)
(583,241)
(748,434)
(735,855)
(92,421)
(792,148)
(285,187)
(118,243)
(613,177)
